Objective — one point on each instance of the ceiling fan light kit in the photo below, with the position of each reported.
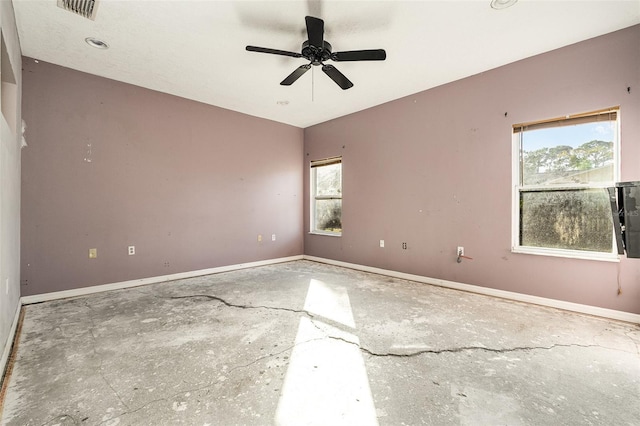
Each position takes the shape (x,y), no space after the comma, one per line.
(316,50)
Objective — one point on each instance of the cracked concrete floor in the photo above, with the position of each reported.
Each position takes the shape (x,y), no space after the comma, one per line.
(304,343)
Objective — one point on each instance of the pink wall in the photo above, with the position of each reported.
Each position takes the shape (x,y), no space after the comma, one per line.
(434,170)
(190,185)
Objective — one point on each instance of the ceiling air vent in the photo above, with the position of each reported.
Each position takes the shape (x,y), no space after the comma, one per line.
(85,8)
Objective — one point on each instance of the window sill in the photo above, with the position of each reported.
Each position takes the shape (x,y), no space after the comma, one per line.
(326,234)
(569,254)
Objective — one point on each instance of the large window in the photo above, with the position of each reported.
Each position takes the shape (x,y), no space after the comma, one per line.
(326,196)
(562,168)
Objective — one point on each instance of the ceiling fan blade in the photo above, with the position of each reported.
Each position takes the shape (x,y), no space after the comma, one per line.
(360,55)
(273,51)
(295,75)
(337,76)
(315,31)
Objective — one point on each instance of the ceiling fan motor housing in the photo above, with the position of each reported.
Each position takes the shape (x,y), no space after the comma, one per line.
(315,54)
(316,50)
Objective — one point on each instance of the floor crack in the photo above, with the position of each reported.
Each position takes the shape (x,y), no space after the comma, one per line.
(129,411)
(450,350)
(61,417)
(238,306)
(371,352)
(469,348)
(211,384)
(95,351)
(238,367)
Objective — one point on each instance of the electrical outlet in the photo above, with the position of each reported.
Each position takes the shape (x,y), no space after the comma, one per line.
(132,250)
(404,246)
(460,251)
(381,243)
(93,253)
(273,237)
(259,238)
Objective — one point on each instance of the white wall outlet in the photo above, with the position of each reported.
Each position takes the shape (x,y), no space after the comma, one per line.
(381,243)
(132,250)
(259,237)
(460,251)
(273,237)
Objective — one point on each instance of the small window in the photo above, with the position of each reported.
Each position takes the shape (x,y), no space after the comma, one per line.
(562,168)
(326,196)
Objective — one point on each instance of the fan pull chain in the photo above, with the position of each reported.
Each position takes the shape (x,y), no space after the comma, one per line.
(313,84)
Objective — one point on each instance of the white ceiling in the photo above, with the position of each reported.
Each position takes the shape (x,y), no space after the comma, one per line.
(196,49)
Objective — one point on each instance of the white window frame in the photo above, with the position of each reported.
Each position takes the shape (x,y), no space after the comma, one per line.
(517,187)
(312,174)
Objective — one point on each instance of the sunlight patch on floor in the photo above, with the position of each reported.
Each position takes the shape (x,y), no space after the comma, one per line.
(330,302)
(326,382)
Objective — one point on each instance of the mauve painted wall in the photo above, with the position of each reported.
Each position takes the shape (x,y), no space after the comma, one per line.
(434,170)
(190,185)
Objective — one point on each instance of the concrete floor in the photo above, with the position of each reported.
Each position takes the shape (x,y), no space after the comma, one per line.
(302,343)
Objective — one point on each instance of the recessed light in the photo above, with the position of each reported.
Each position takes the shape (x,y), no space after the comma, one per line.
(502,4)
(97,43)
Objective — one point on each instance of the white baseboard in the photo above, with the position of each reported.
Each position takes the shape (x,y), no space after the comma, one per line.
(8,345)
(519,297)
(152,280)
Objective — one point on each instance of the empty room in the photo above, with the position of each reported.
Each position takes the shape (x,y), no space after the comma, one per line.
(319,212)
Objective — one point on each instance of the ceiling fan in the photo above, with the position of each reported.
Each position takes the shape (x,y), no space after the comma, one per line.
(317,50)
